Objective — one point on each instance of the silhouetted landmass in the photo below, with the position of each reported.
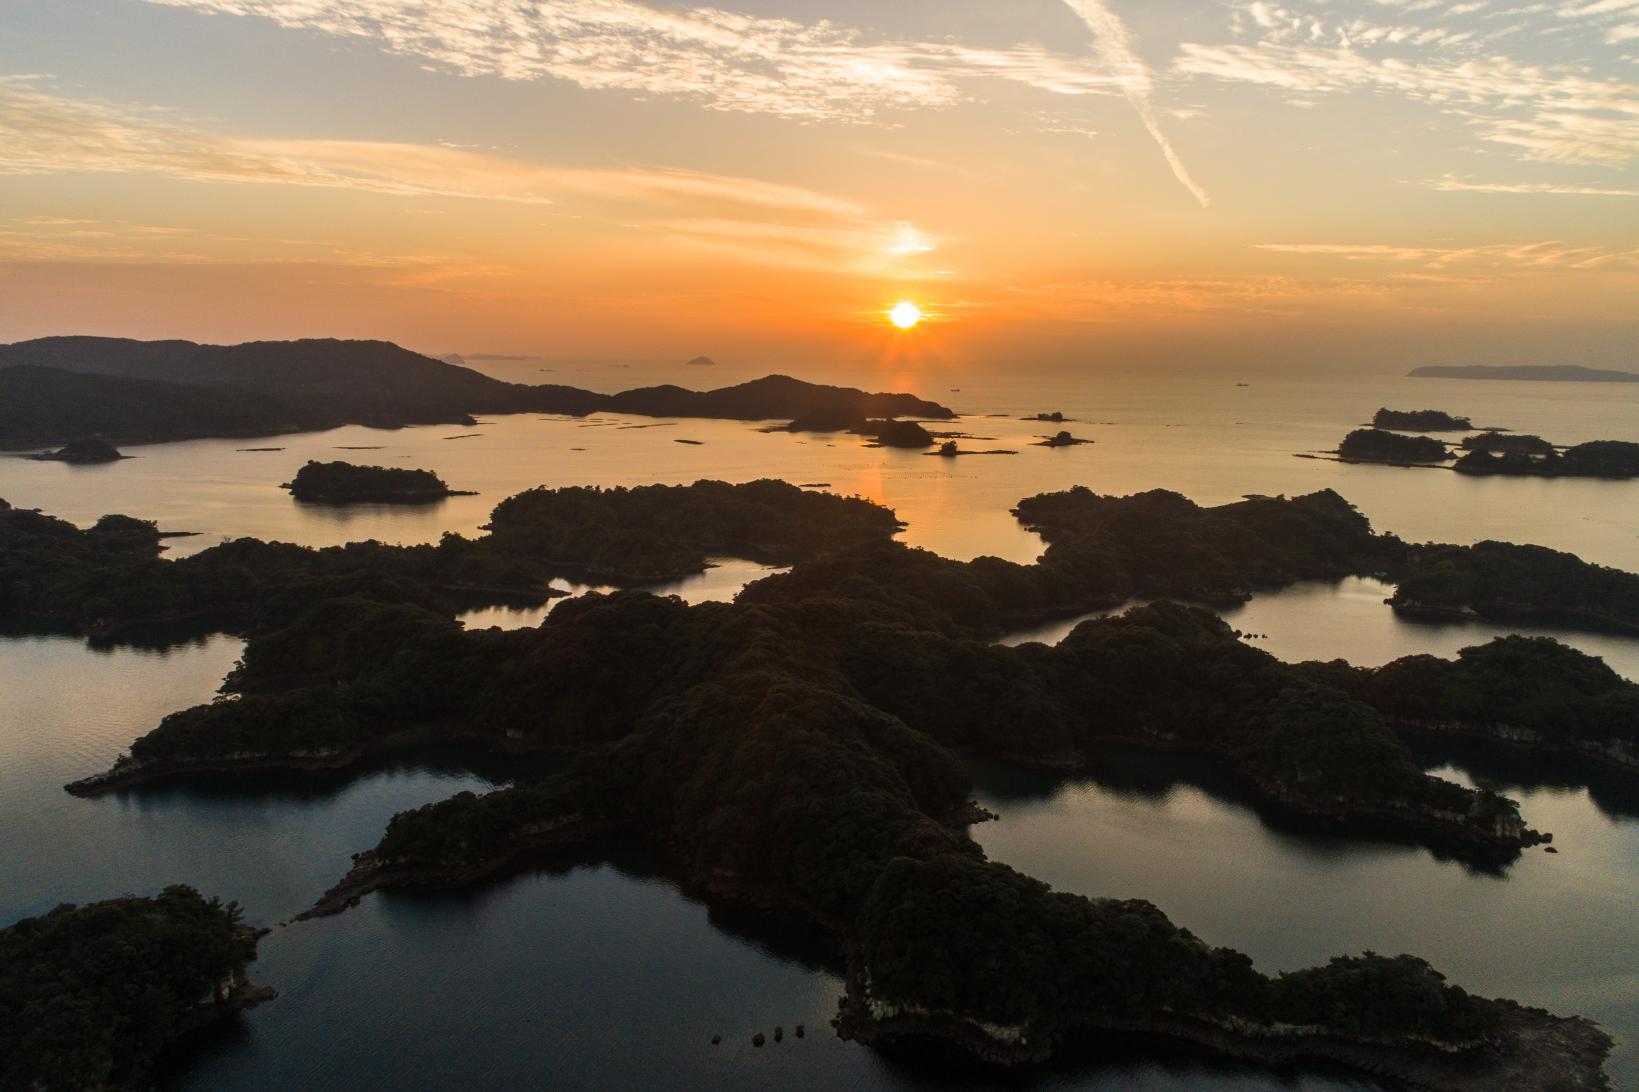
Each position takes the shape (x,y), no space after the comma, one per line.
(1055,417)
(90,995)
(1508,442)
(111,575)
(1420,421)
(1503,581)
(85,452)
(1373,445)
(888,432)
(795,749)
(1062,439)
(40,405)
(1595,459)
(1528,692)
(61,388)
(348,483)
(700,362)
(1562,373)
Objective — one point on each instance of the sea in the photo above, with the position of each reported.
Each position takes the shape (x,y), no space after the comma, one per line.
(601,973)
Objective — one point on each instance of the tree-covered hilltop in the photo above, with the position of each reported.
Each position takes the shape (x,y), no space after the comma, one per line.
(348,483)
(1373,445)
(1501,580)
(1527,691)
(1164,544)
(112,574)
(1525,443)
(1595,459)
(90,995)
(655,532)
(1425,420)
(798,748)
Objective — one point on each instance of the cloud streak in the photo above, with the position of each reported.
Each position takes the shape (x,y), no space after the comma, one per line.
(1114,45)
(721,60)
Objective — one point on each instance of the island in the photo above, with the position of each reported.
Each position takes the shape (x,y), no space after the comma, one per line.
(1372,445)
(1595,459)
(798,749)
(888,432)
(1061,439)
(348,483)
(1056,417)
(1552,373)
(1420,421)
(57,389)
(700,362)
(1521,443)
(90,996)
(83,452)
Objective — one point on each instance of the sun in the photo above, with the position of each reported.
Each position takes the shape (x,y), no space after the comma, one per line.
(904,314)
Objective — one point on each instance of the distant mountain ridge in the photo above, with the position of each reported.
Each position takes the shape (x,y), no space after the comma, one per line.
(1556,373)
(61,388)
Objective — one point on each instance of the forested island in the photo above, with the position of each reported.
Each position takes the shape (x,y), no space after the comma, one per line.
(1426,420)
(58,389)
(349,483)
(91,995)
(1374,445)
(889,432)
(797,748)
(1595,459)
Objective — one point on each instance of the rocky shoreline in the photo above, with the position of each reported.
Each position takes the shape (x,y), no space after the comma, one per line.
(1533,1050)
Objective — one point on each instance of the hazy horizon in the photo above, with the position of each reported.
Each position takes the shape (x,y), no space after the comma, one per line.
(1360,184)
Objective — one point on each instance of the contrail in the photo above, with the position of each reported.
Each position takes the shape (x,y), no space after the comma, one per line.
(1115,46)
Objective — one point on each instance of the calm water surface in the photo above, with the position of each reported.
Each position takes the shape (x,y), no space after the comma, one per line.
(604,974)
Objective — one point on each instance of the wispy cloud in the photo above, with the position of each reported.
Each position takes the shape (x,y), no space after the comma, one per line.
(722,60)
(1114,44)
(45,133)
(1452,184)
(1519,256)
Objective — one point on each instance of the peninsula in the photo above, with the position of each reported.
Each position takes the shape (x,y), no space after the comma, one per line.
(1552,373)
(60,388)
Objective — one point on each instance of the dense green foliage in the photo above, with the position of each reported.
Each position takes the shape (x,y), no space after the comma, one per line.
(90,995)
(1373,445)
(346,483)
(1426,420)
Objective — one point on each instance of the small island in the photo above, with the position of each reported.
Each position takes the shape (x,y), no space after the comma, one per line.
(1372,445)
(1522,443)
(349,483)
(90,996)
(1056,417)
(886,431)
(82,452)
(1061,439)
(1420,421)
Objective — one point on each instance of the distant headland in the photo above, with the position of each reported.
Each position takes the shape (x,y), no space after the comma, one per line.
(57,389)
(1554,373)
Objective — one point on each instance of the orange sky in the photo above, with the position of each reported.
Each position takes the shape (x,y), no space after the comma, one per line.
(1367,184)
